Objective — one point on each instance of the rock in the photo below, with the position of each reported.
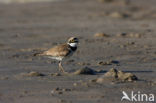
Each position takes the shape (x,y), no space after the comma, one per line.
(101,35)
(115,75)
(126,76)
(85,70)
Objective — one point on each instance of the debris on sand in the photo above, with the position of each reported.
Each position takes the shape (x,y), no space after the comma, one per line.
(83,63)
(101,35)
(110,62)
(115,75)
(131,35)
(130,43)
(85,70)
(55,74)
(134,35)
(32,74)
(60,90)
(122,35)
(118,15)
(126,76)
(104,63)
(56,91)
(123,46)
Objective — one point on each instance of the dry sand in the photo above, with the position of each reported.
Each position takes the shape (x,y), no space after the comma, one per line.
(126,41)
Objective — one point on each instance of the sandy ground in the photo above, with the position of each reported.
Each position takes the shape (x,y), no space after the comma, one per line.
(33,27)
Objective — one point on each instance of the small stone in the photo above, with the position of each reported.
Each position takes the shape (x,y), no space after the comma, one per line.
(62,101)
(122,46)
(85,70)
(56,89)
(52,92)
(101,35)
(83,63)
(25,92)
(16,56)
(104,63)
(134,35)
(131,35)
(146,46)
(29,59)
(130,43)
(65,89)
(75,84)
(94,80)
(85,84)
(110,62)
(122,34)
(118,15)
(60,92)
(56,92)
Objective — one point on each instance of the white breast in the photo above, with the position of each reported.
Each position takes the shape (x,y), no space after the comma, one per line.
(56,58)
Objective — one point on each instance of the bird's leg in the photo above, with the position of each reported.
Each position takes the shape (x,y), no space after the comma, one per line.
(60,67)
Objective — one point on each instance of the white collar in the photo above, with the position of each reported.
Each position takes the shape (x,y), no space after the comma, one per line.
(73,44)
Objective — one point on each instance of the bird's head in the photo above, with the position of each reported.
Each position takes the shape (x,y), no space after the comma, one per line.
(73,41)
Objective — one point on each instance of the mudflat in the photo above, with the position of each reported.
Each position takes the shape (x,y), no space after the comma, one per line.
(115,34)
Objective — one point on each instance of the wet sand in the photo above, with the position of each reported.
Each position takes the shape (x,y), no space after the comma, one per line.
(125,40)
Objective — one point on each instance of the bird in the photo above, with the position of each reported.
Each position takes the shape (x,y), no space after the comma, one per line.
(61,51)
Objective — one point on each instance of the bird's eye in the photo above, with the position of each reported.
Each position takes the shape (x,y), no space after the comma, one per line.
(72,40)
